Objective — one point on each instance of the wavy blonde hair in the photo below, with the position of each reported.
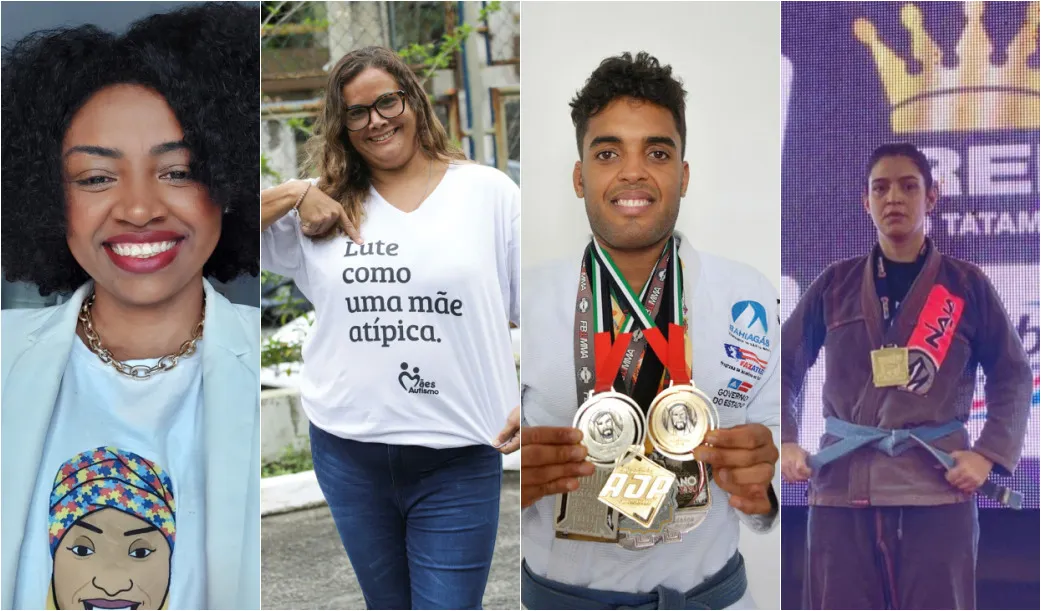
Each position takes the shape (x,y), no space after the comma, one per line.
(342,173)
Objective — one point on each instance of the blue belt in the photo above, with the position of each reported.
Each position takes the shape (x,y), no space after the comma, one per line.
(719,591)
(897,441)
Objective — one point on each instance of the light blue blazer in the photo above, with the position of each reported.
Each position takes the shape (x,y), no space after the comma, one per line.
(36,346)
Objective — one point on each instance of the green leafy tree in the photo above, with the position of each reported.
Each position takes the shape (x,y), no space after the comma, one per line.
(434,56)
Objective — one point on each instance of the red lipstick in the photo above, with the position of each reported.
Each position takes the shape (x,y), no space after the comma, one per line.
(144,264)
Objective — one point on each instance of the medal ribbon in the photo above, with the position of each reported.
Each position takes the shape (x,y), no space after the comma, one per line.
(622,288)
(599,275)
(596,362)
(672,354)
(608,358)
(652,296)
(678,355)
(669,257)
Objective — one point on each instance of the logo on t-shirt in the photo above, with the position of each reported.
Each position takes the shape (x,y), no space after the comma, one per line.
(748,362)
(734,395)
(749,324)
(739,385)
(414,384)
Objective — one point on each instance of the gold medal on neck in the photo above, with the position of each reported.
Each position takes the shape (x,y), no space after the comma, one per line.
(889,366)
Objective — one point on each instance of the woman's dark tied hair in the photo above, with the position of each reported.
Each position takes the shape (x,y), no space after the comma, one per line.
(203,60)
(900,149)
(643,78)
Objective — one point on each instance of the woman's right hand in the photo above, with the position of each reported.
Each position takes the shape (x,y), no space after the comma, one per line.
(552,460)
(320,213)
(794,467)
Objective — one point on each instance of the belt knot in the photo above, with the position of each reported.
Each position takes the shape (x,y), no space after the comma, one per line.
(895,442)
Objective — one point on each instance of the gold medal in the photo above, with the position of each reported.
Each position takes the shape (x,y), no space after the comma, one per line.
(889,366)
(638,487)
(678,419)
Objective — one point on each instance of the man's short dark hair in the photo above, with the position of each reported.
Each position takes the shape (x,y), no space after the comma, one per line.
(202,59)
(643,78)
(901,149)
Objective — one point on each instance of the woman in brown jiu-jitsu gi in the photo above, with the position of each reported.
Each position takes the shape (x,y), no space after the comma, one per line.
(892,520)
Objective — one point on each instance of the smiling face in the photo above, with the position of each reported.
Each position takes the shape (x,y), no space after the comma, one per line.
(679,418)
(111,560)
(384,144)
(137,223)
(631,174)
(897,198)
(605,426)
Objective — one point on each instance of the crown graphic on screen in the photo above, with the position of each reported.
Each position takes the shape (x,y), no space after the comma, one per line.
(973,95)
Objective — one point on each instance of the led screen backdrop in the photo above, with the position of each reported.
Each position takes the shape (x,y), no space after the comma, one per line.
(960,80)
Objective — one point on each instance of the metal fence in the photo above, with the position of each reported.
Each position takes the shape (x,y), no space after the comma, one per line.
(473,84)
(503,35)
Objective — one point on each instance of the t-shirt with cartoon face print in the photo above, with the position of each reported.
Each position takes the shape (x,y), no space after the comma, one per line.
(116,515)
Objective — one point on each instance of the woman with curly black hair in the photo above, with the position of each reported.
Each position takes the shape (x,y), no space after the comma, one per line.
(408,376)
(130,412)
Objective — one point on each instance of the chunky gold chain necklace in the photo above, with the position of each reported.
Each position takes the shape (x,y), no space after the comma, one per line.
(137,372)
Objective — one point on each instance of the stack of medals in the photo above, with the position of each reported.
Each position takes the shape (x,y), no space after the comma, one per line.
(677,422)
(634,499)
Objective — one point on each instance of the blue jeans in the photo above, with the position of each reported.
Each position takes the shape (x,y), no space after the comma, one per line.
(418,524)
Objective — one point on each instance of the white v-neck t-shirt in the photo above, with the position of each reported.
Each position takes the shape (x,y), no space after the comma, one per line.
(411,342)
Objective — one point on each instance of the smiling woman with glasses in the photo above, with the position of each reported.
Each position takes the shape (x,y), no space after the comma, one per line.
(408,378)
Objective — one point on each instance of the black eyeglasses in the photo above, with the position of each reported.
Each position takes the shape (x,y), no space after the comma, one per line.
(389,105)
